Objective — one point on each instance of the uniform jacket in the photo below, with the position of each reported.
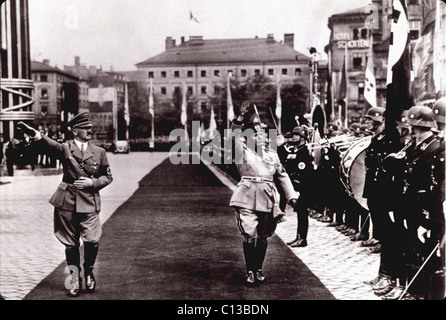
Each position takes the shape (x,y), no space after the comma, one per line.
(93,164)
(257,195)
(424,178)
(377,181)
(298,163)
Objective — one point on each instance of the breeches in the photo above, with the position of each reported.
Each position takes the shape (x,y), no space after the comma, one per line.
(70,227)
(253,224)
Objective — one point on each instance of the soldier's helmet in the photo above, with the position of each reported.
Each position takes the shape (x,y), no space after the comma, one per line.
(300,131)
(421,116)
(439,110)
(376,114)
(364,128)
(332,126)
(402,122)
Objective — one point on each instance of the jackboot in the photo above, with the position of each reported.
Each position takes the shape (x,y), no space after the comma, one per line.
(90,254)
(73,261)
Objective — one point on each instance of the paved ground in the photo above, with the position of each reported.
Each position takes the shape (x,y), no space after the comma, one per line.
(29,251)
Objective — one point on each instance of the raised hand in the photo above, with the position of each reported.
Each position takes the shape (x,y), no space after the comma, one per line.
(244,107)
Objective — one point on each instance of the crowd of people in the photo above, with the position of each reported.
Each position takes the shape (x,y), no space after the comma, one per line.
(21,151)
(380,186)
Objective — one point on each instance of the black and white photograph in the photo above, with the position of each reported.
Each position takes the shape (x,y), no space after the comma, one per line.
(220,156)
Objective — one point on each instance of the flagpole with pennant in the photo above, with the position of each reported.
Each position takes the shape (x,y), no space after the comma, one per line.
(230,106)
(126,111)
(346,87)
(184,111)
(279,105)
(152,114)
(370,80)
(212,124)
(343,91)
(398,66)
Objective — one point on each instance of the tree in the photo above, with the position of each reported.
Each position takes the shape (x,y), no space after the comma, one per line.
(261,90)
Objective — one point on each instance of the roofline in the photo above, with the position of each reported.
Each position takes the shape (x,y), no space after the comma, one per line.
(54,70)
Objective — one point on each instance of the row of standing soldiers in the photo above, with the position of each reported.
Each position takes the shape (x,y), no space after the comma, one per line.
(404,188)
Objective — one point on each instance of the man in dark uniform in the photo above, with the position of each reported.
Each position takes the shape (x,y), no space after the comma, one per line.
(299,164)
(76,202)
(423,199)
(376,191)
(256,198)
(438,278)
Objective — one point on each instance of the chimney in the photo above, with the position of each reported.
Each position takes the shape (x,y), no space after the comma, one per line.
(288,39)
(77,61)
(46,61)
(170,43)
(270,38)
(182,40)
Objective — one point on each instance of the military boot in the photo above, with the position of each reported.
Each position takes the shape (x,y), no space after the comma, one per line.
(249,251)
(73,261)
(90,254)
(261,247)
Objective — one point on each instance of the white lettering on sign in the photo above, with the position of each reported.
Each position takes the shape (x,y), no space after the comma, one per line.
(353,44)
(342,36)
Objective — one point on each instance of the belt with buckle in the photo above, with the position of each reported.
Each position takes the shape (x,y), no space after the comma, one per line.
(256,179)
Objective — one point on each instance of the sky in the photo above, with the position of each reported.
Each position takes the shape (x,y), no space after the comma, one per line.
(121,33)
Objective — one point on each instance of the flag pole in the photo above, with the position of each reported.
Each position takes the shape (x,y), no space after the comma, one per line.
(152,113)
(346,87)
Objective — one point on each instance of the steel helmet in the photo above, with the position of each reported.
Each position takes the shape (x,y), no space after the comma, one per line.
(376,114)
(439,110)
(403,119)
(421,116)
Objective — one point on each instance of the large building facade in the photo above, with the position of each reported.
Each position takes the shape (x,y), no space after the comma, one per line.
(203,66)
(16,98)
(56,94)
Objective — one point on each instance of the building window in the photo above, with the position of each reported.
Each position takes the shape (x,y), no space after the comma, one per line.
(163,74)
(176,74)
(190,74)
(364,33)
(257,72)
(413,2)
(190,90)
(203,73)
(298,72)
(243,72)
(176,90)
(203,89)
(284,71)
(44,93)
(163,90)
(150,74)
(270,72)
(361,91)
(44,110)
(217,90)
(355,34)
(216,73)
(43,78)
(203,106)
(414,34)
(414,26)
(357,61)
